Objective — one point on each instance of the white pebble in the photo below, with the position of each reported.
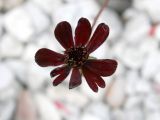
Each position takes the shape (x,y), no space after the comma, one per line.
(26,109)
(133,101)
(101,52)
(99,111)
(143,87)
(131,33)
(25,21)
(132,79)
(151,65)
(157,32)
(134,114)
(7,76)
(40,21)
(151,7)
(85,89)
(72,96)
(116,94)
(114,23)
(46,108)
(36,77)
(118,114)
(19,68)
(10,47)
(9,4)
(7,110)
(153,116)
(157,78)
(151,103)
(18,23)
(29,53)
(47,40)
(84,8)
(1,24)
(48,6)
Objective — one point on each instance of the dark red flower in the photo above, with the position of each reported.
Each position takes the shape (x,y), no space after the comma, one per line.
(76,55)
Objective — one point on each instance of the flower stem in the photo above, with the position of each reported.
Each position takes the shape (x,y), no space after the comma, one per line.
(99,13)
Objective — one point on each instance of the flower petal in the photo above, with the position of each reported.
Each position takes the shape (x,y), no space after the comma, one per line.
(82,32)
(100,82)
(96,78)
(63,33)
(61,77)
(90,78)
(58,70)
(45,57)
(103,67)
(75,78)
(99,36)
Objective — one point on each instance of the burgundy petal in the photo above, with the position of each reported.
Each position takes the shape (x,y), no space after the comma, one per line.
(90,78)
(63,33)
(99,36)
(96,78)
(82,32)
(100,82)
(45,57)
(75,78)
(61,77)
(58,70)
(104,67)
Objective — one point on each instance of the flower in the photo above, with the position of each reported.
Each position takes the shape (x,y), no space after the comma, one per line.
(76,55)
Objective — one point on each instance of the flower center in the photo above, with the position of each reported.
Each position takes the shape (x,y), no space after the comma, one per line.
(76,56)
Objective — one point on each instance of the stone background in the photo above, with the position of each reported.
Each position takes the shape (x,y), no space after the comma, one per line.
(132,93)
